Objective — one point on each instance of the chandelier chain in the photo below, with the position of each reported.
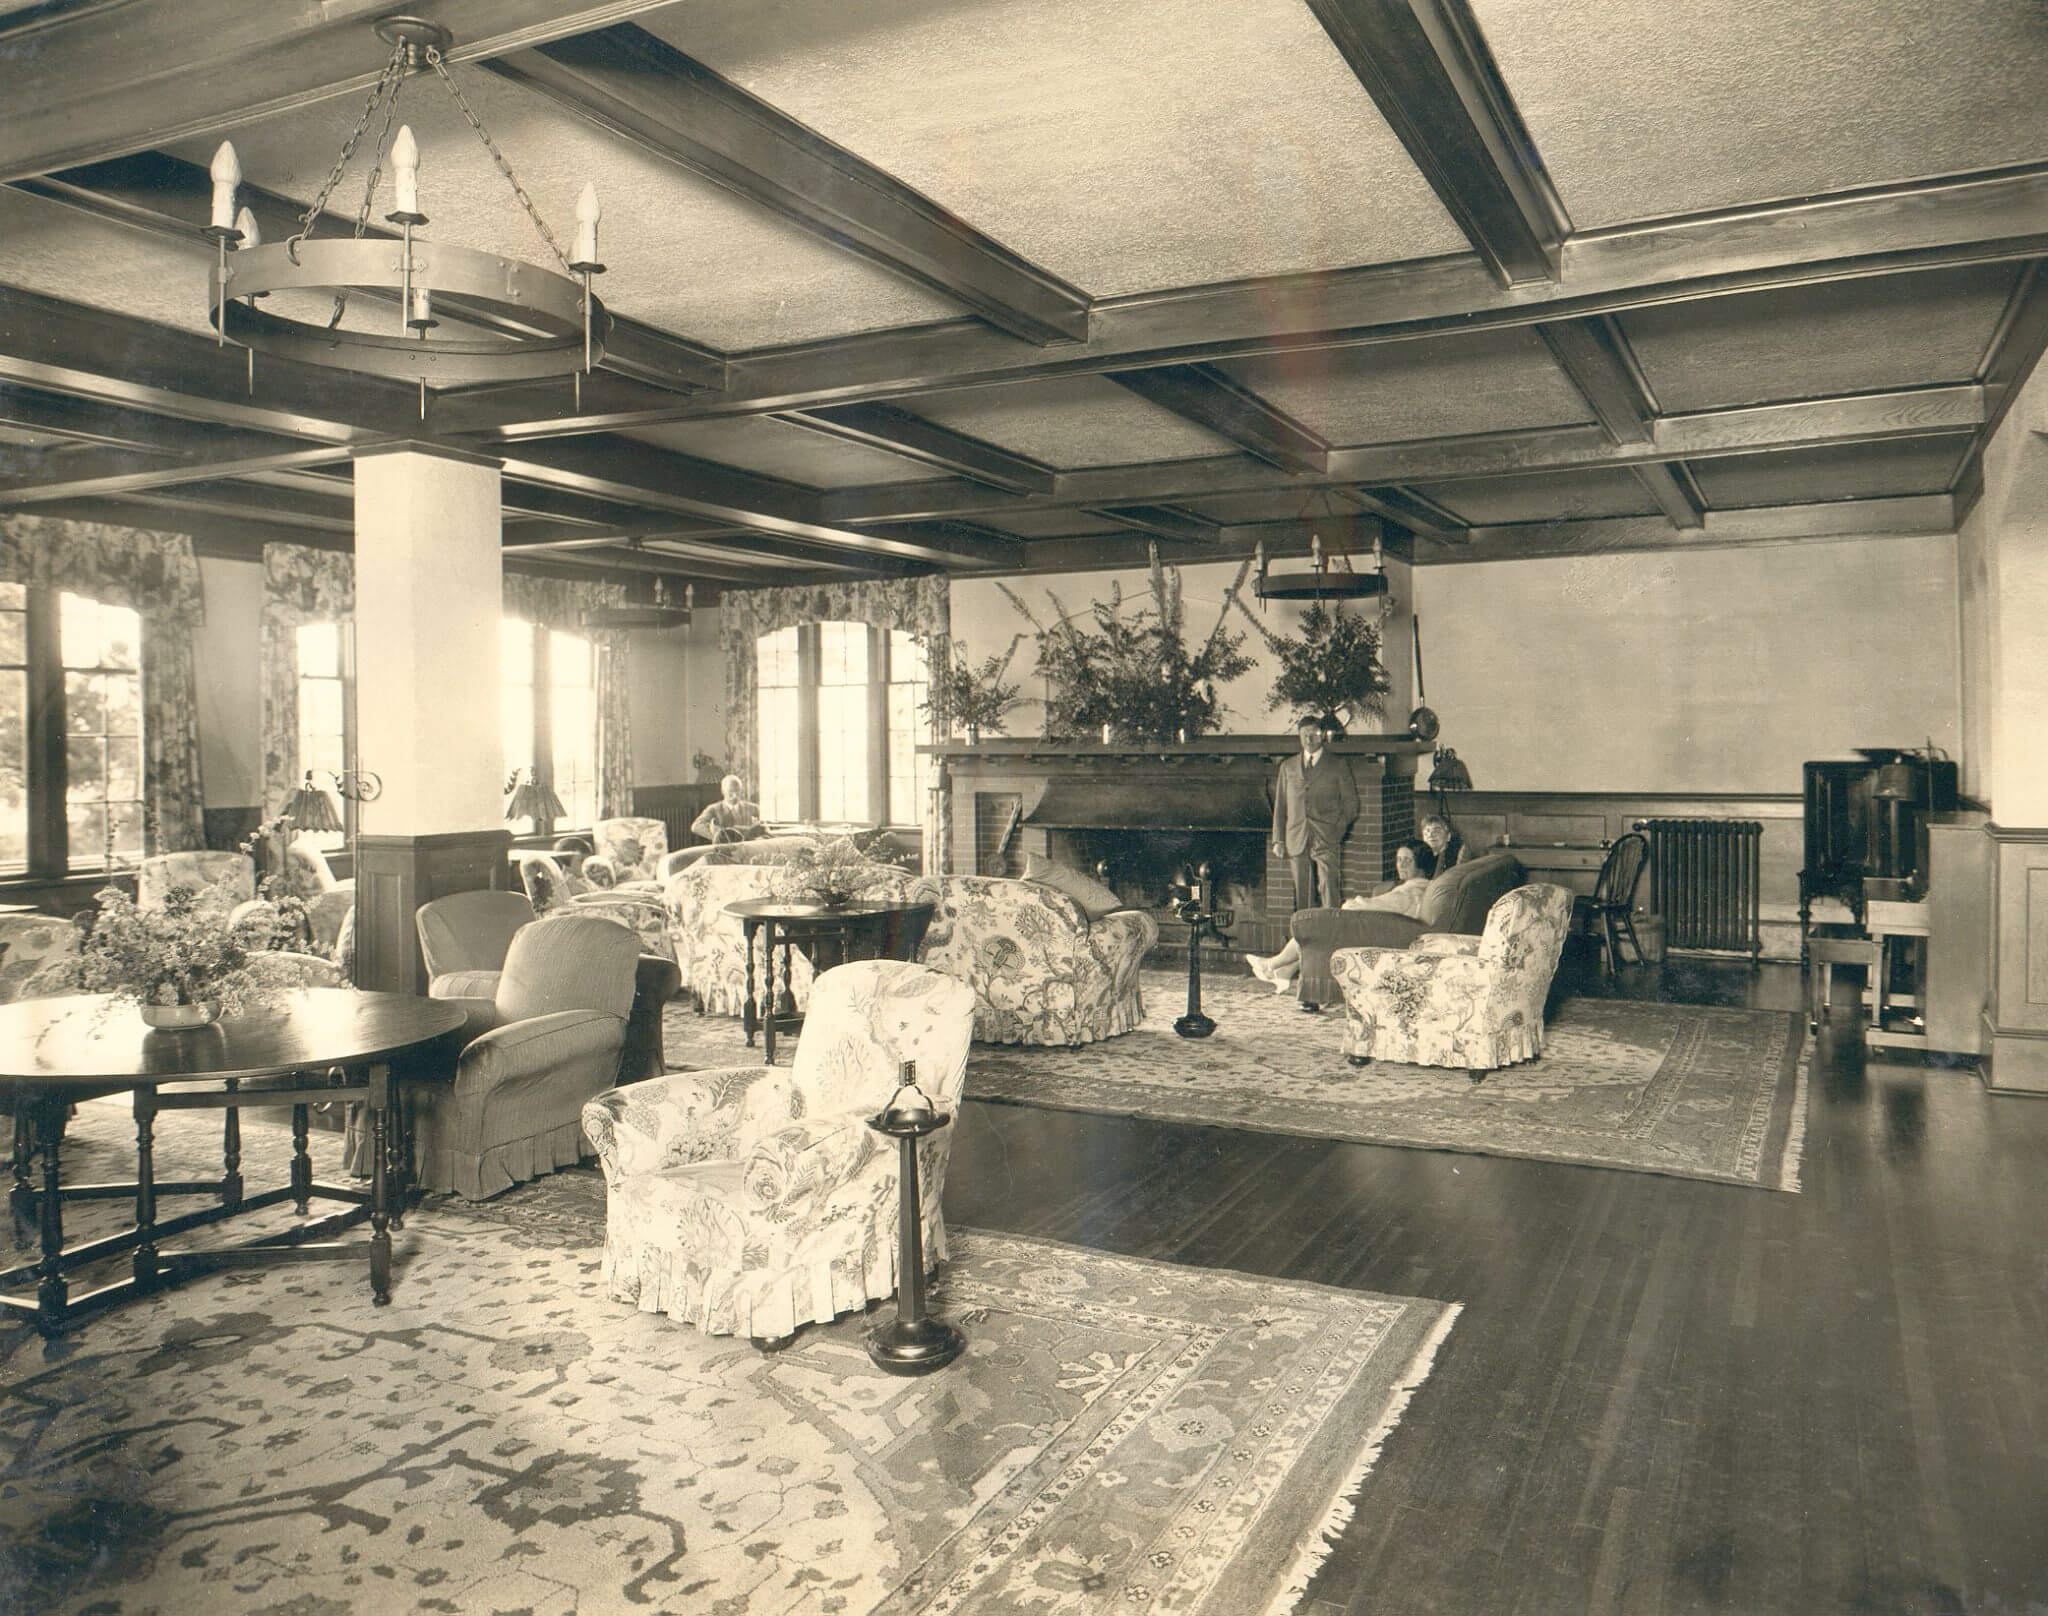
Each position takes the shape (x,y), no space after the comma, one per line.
(378,152)
(440,67)
(384,81)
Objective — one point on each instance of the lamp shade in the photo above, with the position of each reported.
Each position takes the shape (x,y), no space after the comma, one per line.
(310,808)
(1898,781)
(532,800)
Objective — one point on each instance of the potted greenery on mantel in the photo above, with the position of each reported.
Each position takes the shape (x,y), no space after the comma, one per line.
(970,696)
(1331,670)
(1132,677)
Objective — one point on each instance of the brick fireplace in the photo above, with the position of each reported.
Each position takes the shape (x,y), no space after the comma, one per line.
(1144,808)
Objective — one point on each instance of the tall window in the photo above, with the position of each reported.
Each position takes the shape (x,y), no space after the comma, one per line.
(323,713)
(71,743)
(13,727)
(910,771)
(101,648)
(838,727)
(548,713)
(775,681)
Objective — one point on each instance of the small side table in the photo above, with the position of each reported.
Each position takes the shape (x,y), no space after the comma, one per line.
(1823,954)
(916,1343)
(868,928)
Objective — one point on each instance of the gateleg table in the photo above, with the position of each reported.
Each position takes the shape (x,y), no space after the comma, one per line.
(316,1044)
(829,935)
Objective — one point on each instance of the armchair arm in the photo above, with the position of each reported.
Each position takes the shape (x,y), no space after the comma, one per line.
(1444,942)
(532,1046)
(683,1117)
(1362,970)
(600,872)
(805,1161)
(465,985)
(479,1014)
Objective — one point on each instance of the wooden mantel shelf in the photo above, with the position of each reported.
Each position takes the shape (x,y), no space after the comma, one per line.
(996,749)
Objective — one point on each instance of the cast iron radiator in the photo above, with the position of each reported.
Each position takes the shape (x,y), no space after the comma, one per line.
(1703,881)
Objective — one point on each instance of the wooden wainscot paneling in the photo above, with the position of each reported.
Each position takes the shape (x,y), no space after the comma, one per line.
(398,874)
(2016,1019)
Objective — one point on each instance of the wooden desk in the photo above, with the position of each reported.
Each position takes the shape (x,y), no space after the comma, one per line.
(316,1044)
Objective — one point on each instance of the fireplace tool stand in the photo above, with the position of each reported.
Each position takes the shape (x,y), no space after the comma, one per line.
(1195,907)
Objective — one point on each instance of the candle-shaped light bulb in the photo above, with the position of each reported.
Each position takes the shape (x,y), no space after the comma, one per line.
(405,170)
(689,597)
(245,221)
(587,215)
(226,172)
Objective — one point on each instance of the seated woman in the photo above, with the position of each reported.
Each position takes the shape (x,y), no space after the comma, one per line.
(1445,843)
(1414,864)
(731,818)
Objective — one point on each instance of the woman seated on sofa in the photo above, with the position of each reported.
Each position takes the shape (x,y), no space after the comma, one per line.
(1414,864)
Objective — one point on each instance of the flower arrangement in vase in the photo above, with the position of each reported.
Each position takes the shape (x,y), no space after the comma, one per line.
(182,965)
(1332,669)
(970,696)
(833,871)
(1132,676)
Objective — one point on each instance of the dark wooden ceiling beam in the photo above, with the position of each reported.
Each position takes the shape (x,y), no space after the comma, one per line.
(86,420)
(1672,487)
(112,80)
(252,502)
(213,533)
(102,470)
(1862,417)
(881,426)
(625,80)
(1097,552)
(1408,509)
(1899,517)
(1428,70)
(2016,346)
(1210,399)
(1595,357)
(1163,520)
(636,474)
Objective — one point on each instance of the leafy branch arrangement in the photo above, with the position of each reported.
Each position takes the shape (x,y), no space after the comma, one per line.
(181,954)
(1332,667)
(971,696)
(835,870)
(1132,672)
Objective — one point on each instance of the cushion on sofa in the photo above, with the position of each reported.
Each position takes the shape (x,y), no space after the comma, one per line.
(1459,899)
(1095,899)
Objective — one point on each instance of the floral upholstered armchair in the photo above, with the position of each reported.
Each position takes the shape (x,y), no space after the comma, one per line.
(630,853)
(221,880)
(1041,970)
(754,1200)
(34,947)
(553,890)
(711,945)
(1452,1000)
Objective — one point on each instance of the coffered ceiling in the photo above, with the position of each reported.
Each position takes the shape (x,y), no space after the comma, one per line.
(1027,284)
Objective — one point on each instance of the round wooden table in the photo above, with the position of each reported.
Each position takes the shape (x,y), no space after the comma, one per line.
(312,1045)
(829,935)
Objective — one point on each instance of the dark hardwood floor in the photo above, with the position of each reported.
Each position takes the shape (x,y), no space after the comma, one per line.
(1662,1395)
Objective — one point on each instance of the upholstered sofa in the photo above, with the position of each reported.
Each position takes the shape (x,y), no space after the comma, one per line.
(1452,1000)
(1041,970)
(1456,901)
(710,945)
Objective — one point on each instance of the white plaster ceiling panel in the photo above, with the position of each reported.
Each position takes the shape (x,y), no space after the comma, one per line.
(1855,336)
(1071,421)
(1646,108)
(1124,145)
(1554,496)
(63,253)
(773,448)
(682,254)
(1432,387)
(1838,471)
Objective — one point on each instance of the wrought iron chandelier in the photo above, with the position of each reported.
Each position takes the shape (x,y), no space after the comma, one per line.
(529,322)
(1329,574)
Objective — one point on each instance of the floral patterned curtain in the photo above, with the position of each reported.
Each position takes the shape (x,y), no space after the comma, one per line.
(561,603)
(920,606)
(300,586)
(155,575)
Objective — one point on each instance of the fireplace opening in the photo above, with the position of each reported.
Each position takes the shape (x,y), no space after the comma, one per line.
(1142,864)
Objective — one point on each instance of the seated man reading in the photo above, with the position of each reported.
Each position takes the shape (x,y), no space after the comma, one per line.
(1414,864)
(731,818)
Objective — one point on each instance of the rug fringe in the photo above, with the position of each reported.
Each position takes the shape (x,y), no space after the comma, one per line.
(1342,1506)
(1795,1128)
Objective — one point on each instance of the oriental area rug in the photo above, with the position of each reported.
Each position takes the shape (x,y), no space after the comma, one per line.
(1120,1435)
(1689,1091)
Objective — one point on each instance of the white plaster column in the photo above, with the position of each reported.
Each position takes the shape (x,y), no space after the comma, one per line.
(429,597)
(429,600)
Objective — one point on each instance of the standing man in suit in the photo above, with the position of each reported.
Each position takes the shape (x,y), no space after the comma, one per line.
(1314,802)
